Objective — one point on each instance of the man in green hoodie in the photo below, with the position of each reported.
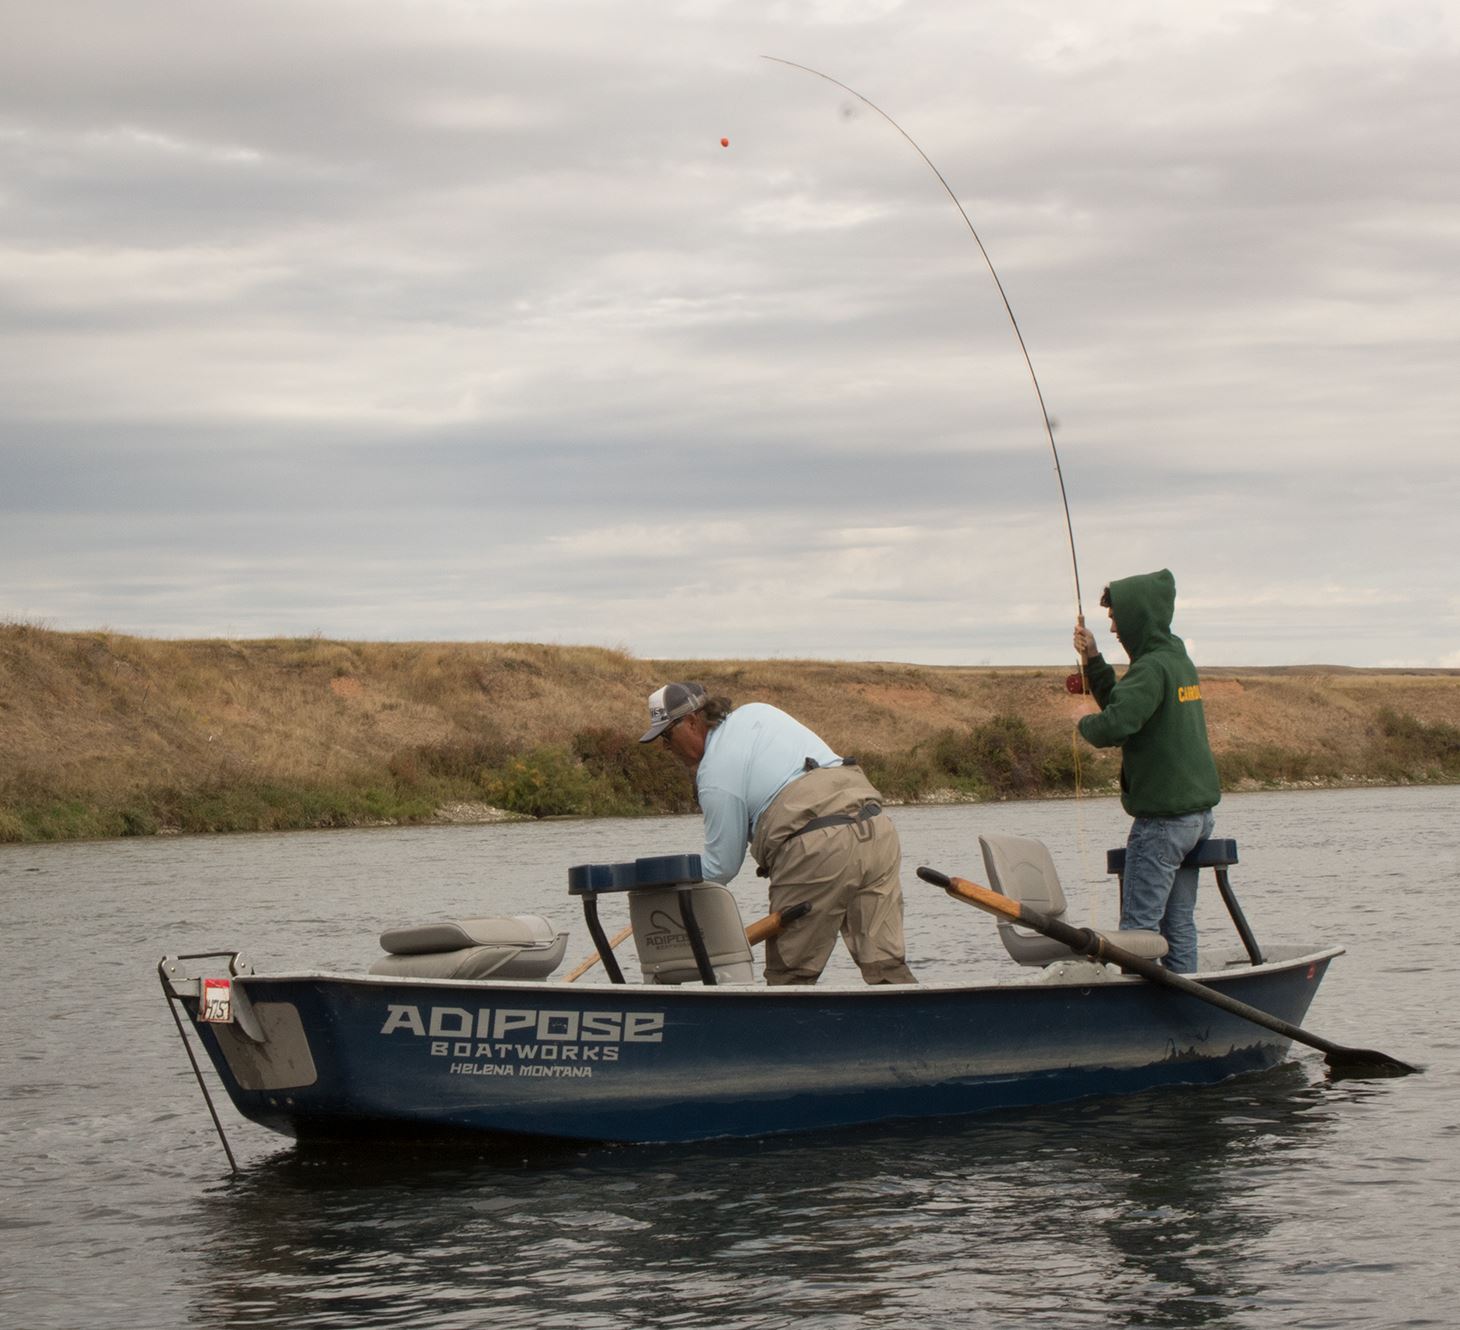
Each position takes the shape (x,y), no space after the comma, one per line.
(1168,780)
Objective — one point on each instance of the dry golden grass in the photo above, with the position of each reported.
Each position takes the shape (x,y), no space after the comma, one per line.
(97,717)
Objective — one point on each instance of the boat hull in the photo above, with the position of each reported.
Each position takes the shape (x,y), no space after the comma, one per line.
(336,1055)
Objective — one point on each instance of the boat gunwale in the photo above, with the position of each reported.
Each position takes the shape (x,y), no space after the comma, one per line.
(793,992)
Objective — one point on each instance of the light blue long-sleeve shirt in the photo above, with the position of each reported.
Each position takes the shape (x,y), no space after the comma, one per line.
(750,757)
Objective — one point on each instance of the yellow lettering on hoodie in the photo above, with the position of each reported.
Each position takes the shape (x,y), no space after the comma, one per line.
(1189,693)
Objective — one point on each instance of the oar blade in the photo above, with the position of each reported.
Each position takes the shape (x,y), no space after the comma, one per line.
(1354,1063)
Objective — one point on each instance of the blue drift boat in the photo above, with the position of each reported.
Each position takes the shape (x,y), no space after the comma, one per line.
(460,1026)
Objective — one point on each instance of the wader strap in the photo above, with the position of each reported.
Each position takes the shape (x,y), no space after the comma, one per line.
(868,810)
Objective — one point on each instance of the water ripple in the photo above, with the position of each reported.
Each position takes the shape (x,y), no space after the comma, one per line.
(1280,1199)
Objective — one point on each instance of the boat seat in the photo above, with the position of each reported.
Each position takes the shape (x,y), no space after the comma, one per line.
(1021,869)
(1219,854)
(519,946)
(665,953)
(1215,852)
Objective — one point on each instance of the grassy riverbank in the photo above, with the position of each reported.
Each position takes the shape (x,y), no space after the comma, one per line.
(106,735)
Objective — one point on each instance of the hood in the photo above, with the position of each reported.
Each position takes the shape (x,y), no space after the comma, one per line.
(1143,606)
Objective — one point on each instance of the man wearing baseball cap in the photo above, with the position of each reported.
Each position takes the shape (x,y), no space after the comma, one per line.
(813,822)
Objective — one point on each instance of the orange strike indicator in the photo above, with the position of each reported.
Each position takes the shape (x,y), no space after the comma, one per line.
(724,143)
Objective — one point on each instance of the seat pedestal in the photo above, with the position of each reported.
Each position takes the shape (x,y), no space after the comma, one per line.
(1217,854)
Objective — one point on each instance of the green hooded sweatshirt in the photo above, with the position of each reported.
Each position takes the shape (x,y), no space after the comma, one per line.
(1154,713)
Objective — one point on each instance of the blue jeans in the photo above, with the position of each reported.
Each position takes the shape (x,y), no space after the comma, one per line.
(1159,894)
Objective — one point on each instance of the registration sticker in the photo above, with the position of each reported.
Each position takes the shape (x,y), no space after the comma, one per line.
(216,1001)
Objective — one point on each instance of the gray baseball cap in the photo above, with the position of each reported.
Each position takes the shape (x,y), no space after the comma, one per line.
(669,703)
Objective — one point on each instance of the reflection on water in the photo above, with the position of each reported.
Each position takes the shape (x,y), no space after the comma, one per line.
(1274,1200)
(1134,1212)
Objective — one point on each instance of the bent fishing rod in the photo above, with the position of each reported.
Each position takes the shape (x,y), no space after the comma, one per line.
(1003,295)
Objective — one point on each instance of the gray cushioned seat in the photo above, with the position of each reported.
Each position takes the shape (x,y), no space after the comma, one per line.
(521,946)
(1022,869)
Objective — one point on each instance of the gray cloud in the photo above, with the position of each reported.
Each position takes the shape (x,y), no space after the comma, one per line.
(457,321)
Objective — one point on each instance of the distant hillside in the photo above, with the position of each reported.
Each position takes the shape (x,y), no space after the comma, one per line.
(106,735)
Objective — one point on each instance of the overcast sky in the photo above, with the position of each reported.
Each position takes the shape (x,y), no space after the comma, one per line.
(444,319)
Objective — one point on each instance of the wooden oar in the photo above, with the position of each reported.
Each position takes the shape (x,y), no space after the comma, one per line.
(774,924)
(768,927)
(588,962)
(1087,942)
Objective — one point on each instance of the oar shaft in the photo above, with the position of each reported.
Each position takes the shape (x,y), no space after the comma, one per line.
(774,924)
(588,962)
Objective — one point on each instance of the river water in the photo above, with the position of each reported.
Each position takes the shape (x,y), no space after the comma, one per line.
(1281,1199)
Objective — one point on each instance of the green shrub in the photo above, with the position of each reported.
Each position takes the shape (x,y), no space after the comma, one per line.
(642,778)
(460,763)
(1408,749)
(137,821)
(903,777)
(64,819)
(1097,769)
(1003,759)
(244,805)
(12,828)
(547,782)
(1060,769)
